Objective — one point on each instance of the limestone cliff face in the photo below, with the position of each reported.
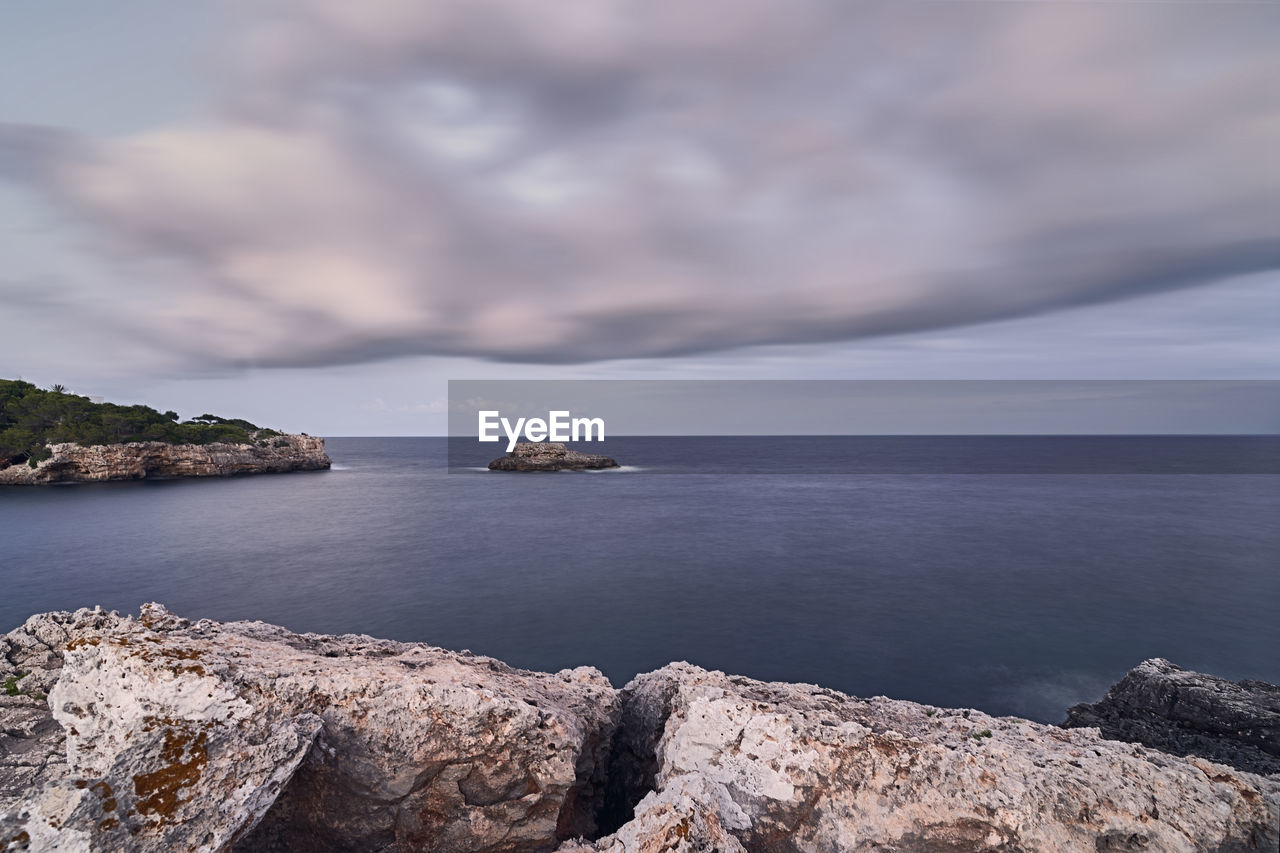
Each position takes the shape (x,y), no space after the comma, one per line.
(72,463)
(157,733)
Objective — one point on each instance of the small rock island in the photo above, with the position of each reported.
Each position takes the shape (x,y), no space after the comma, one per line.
(58,437)
(549,456)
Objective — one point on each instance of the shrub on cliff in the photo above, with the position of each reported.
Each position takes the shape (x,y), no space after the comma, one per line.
(31,418)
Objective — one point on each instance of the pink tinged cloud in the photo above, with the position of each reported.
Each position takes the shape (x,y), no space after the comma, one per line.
(618,178)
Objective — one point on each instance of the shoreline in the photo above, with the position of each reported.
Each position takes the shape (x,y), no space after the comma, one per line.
(74,464)
(245,736)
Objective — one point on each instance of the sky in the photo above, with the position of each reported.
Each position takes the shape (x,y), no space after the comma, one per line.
(775,407)
(312,213)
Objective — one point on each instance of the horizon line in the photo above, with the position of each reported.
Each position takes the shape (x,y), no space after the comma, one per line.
(866,435)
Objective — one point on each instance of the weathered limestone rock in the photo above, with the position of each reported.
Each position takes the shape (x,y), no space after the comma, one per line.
(789,767)
(71,463)
(32,745)
(1189,713)
(177,784)
(169,735)
(687,815)
(182,736)
(549,456)
(184,781)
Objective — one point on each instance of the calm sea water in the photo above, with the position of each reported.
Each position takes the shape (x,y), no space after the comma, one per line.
(1013,593)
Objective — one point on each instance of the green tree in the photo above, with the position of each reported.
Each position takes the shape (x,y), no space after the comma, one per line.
(32,418)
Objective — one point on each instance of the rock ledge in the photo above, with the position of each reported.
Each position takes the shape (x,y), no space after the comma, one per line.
(71,463)
(158,733)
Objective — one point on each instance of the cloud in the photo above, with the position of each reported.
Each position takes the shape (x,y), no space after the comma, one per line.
(638,178)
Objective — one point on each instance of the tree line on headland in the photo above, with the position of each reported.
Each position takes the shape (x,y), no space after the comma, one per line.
(32,418)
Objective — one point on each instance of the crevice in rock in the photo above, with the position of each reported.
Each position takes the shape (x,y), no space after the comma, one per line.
(580,812)
(633,759)
(295,821)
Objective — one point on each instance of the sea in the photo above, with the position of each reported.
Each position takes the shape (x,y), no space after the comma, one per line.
(1016,575)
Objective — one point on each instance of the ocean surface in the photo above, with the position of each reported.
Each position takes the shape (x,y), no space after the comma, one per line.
(925,577)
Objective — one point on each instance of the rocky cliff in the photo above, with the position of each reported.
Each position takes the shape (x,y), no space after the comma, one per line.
(157,733)
(71,463)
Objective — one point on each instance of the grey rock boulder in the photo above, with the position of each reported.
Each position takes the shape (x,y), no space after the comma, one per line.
(1189,713)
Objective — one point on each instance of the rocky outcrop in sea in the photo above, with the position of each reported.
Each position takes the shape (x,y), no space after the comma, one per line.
(1189,713)
(157,733)
(71,463)
(549,456)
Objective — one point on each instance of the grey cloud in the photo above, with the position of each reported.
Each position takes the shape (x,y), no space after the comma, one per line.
(26,151)
(631,179)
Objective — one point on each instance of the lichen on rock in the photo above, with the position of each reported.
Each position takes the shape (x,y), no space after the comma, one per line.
(211,735)
(163,734)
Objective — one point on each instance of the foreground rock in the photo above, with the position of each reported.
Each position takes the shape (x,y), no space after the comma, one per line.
(171,735)
(200,736)
(549,456)
(71,463)
(1188,713)
(744,765)
(32,744)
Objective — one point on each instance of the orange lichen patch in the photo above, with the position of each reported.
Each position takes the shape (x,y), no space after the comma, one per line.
(172,655)
(159,653)
(108,824)
(81,642)
(184,757)
(20,840)
(103,790)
